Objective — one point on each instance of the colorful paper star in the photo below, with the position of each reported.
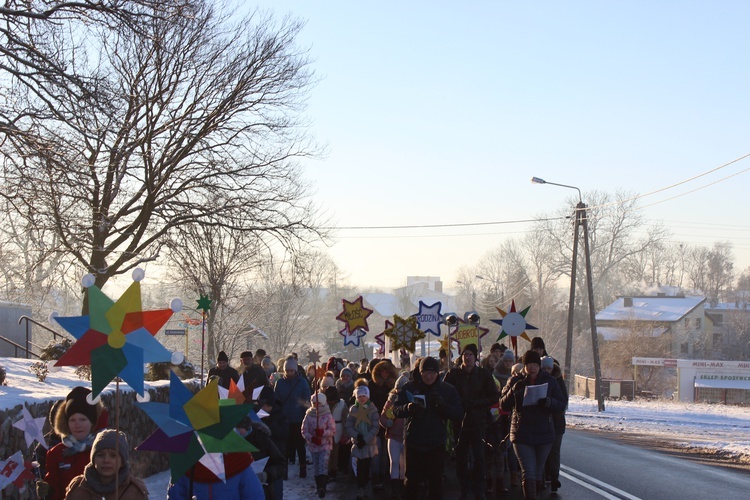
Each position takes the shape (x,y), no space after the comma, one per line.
(404,333)
(355,314)
(380,338)
(204,304)
(445,343)
(429,318)
(352,338)
(513,324)
(192,426)
(116,338)
(313,356)
(32,428)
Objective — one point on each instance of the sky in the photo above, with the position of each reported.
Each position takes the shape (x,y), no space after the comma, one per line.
(439,113)
(724,429)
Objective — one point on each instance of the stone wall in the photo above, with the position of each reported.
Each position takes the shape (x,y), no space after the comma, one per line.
(133,421)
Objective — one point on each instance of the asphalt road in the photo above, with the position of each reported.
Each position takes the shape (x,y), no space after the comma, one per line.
(600,465)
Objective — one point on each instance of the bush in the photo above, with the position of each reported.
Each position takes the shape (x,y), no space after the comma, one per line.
(40,369)
(2,375)
(83,372)
(160,371)
(55,349)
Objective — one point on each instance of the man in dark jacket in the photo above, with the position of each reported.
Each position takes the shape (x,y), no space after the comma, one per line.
(478,392)
(222,370)
(426,404)
(253,376)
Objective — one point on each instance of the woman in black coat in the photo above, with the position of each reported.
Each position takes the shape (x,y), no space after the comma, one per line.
(532,430)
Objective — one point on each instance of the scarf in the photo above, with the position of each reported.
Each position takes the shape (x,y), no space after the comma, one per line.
(74,446)
(94,480)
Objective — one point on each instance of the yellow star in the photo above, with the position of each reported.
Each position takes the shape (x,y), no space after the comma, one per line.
(355,314)
(363,415)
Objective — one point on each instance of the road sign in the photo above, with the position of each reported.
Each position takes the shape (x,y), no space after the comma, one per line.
(175,331)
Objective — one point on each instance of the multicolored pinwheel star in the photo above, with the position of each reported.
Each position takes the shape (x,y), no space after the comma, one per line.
(355,314)
(429,318)
(116,338)
(513,324)
(196,428)
(404,333)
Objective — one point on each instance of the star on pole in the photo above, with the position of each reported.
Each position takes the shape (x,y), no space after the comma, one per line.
(353,338)
(429,318)
(116,338)
(513,324)
(355,314)
(404,333)
(32,428)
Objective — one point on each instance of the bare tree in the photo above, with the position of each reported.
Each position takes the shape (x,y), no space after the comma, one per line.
(710,270)
(195,122)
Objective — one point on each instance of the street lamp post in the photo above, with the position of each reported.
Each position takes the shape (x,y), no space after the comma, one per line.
(580,222)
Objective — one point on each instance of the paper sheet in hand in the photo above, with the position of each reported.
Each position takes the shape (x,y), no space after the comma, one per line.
(534,393)
(259,465)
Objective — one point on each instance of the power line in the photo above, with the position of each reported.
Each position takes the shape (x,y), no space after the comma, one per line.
(429,226)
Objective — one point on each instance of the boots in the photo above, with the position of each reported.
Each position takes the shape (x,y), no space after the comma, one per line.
(320,482)
(396,486)
(499,488)
(302,470)
(556,485)
(529,489)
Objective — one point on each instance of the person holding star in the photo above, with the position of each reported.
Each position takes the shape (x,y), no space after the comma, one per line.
(362,426)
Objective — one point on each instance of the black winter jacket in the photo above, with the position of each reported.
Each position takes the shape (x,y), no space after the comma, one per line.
(425,429)
(532,424)
(477,392)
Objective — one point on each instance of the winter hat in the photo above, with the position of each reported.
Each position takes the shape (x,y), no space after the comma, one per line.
(516,369)
(260,353)
(495,347)
(401,381)
(327,382)
(429,364)
(547,362)
(363,390)
(290,364)
(508,354)
(75,402)
(531,357)
(246,354)
(472,348)
(222,356)
(346,370)
(319,397)
(537,343)
(332,395)
(107,440)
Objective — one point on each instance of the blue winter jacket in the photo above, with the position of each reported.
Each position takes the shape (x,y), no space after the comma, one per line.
(294,396)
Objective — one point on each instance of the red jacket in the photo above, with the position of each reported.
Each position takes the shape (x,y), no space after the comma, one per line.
(61,470)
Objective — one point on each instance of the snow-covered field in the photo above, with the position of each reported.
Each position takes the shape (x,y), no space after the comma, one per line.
(709,428)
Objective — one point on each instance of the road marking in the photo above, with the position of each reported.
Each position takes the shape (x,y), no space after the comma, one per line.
(588,482)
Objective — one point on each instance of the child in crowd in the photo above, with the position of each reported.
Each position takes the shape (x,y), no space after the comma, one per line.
(108,475)
(362,426)
(339,411)
(318,429)
(394,432)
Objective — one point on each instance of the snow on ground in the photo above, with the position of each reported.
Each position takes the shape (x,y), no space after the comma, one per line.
(718,428)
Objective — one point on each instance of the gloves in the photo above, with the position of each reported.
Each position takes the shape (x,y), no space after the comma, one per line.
(317,440)
(319,432)
(262,477)
(360,441)
(544,402)
(415,409)
(42,489)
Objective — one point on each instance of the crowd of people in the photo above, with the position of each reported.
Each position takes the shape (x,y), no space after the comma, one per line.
(390,428)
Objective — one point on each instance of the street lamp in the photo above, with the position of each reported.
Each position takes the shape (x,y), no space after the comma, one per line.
(580,221)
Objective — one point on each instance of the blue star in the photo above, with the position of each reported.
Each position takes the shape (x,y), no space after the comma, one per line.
(354,337)
(429,318)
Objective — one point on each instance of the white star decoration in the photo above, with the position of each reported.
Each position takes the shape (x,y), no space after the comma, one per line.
(429,318)
(32,428)
(353,337)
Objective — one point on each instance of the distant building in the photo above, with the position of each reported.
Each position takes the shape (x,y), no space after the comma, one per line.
(682,319)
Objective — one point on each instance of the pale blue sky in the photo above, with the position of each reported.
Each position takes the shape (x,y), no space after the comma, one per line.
(440,113)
